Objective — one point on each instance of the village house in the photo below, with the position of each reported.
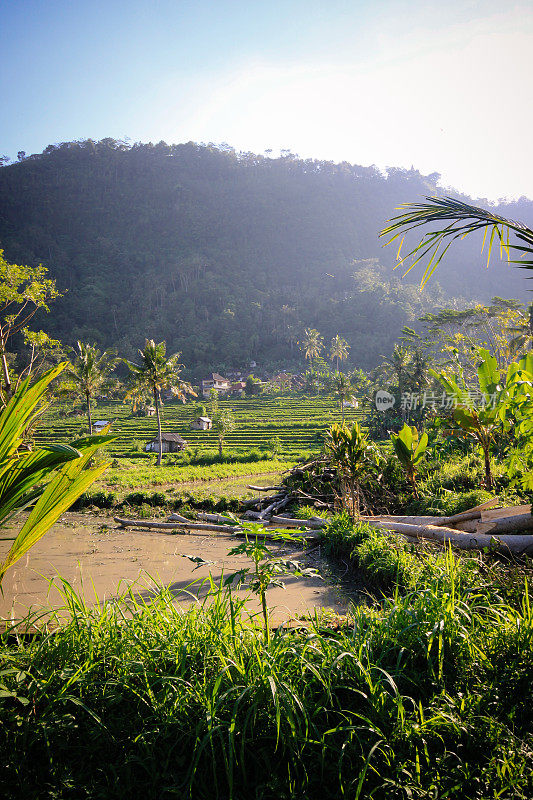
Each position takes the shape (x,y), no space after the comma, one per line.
(100,425)
(216,382)
(238,387)
(172,443)
(202,424)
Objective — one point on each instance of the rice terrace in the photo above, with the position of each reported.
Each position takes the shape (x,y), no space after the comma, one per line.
(266,419)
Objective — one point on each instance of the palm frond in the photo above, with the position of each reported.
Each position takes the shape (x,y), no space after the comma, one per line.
(460,220)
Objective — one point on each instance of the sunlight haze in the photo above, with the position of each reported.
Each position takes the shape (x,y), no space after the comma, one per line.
(445,90)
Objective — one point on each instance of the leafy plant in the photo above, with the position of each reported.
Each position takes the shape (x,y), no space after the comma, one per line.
(500,397)
(410,449)
(354,457)
(267,570)
(47,480)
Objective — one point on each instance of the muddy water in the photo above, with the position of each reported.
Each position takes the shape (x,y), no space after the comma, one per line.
(99,560)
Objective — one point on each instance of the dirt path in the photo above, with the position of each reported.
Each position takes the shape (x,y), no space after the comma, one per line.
(98,558)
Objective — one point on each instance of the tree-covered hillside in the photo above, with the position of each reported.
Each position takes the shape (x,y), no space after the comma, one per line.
(227,256)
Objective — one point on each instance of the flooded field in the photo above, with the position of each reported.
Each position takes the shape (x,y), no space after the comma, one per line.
(99,559)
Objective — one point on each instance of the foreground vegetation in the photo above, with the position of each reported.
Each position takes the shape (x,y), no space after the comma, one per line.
(425,692)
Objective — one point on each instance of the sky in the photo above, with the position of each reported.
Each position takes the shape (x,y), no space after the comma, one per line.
(442,86)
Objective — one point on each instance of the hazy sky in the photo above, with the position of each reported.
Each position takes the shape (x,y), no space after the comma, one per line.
(444,86)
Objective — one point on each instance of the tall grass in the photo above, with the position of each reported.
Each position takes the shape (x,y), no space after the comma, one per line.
(425,695)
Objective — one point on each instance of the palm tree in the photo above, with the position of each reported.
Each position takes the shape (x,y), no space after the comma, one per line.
(312,344)
(398,364)
(223,423)
(459,219)
(157,372)
(89,371)
(339,349)
(343,389)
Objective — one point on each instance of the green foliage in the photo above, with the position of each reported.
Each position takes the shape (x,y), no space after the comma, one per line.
(427,693)
(23,291)
(89,372)
(267,570)
(47,480)
(354,457)
(461,219)
(410,450)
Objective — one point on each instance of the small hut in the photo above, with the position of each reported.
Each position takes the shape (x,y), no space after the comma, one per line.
(172,443)
(99,426)
(202,424)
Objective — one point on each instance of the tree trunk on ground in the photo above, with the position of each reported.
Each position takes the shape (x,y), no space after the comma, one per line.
(89,417)
(159,433)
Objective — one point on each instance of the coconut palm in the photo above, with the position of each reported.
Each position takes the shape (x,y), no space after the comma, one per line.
(223,423)
(339,349)
(312,344)
(398,364)
(89,371)
(157,372)
(453,220)
(343,389)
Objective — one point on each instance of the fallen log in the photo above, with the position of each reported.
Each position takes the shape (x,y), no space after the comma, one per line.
(255,501)
(236,530)
(511,543)
(277,505)
(167,526)
(291,522)
(508,511)
(266,488)
(520,522)
(470,513)
(178,518)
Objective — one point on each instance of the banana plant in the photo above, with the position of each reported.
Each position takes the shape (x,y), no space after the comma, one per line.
(45,481)
(501,397)
(410,449)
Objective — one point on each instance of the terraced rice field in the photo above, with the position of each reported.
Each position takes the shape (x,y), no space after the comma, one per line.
(299,423)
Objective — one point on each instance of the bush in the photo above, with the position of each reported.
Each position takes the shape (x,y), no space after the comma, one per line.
(101,499)
(154,499)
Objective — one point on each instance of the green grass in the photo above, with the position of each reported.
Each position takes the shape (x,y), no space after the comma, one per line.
(427,694)
(133,474)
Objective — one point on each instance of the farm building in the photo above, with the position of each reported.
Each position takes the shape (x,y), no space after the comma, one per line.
(202,424)
(216,382)
(100,425)
(172,443)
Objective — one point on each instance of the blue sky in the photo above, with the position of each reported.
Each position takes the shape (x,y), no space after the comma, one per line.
(443,86)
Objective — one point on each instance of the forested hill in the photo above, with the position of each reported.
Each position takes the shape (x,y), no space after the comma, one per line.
(225,255)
